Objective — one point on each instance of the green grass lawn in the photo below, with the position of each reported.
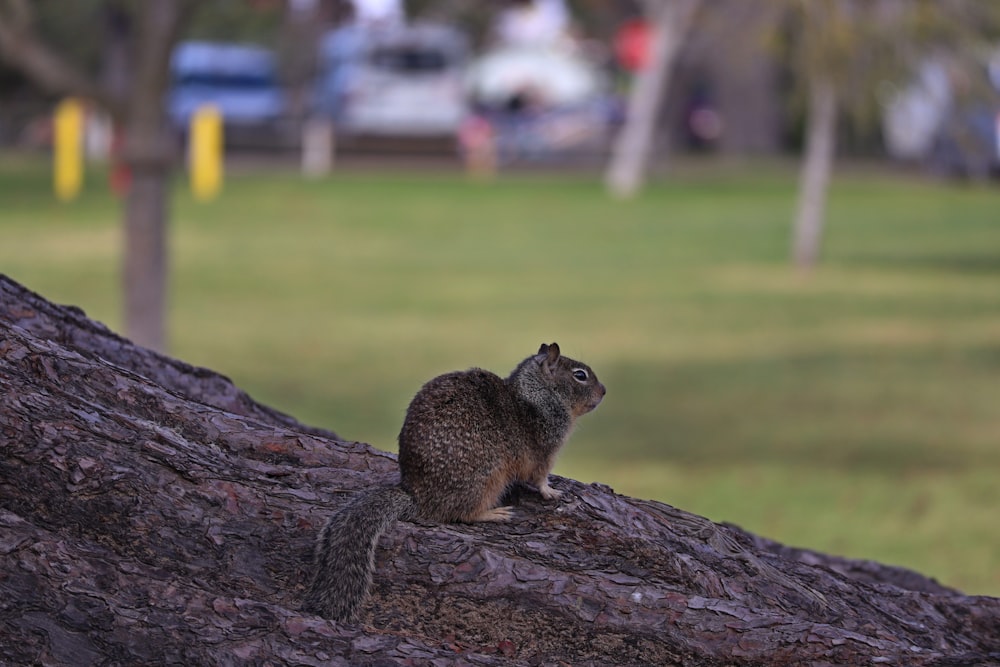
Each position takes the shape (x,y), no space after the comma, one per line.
(855,410)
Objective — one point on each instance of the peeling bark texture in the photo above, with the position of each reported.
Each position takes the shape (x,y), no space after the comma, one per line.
(151,513)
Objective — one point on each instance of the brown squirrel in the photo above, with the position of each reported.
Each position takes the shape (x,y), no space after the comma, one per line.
(467,437)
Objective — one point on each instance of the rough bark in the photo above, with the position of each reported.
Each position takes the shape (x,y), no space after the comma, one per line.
(150,513)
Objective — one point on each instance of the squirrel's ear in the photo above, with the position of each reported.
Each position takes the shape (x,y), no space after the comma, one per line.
(551,351)
(551,356)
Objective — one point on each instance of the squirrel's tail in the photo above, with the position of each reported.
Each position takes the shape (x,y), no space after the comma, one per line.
(345,551)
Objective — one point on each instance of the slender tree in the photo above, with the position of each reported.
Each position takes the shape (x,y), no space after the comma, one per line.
(149,154)
(816,169)
(148,151)
(842,50)
(670,21)
(827,51)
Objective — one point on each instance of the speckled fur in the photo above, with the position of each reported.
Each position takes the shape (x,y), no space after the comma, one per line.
(466,438)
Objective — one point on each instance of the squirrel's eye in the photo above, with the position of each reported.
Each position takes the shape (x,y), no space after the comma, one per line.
(580,375)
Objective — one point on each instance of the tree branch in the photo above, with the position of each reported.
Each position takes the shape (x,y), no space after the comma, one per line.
(143,524)
(22,47)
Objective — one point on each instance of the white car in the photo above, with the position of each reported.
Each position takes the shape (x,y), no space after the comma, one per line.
(393,82)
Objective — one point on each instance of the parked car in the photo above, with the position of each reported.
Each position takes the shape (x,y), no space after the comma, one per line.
(239,80)
(401,81)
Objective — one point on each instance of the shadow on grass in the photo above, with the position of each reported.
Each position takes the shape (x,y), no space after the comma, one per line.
(986,263)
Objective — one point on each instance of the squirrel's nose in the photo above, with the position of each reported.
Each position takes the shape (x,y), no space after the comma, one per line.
(604,389)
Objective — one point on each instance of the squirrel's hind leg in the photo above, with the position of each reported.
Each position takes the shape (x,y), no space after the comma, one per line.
(481,497)
(495,514)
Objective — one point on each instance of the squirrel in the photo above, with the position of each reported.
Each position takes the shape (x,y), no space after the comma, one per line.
(467,437)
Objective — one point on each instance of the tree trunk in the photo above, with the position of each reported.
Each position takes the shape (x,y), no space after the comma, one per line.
(745,76)
(144,273)
(150,513)
(145,270)
(670,20)
(148,152)
(149,155)
(817,165)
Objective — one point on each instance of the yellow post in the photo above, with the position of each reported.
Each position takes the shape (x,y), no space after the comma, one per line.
(205,152)
(67,146)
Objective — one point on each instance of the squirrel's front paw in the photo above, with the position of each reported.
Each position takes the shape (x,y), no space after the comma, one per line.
(548,492)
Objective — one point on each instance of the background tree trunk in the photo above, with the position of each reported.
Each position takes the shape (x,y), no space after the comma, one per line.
(149,154)
(670,21)
(151,513)
(817,165)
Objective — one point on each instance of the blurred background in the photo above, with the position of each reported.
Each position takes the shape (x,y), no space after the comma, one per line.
(772,227)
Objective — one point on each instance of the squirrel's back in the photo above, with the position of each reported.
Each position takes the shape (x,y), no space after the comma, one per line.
(460,433)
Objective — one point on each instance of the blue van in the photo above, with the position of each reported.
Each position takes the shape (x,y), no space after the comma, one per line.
(240,80)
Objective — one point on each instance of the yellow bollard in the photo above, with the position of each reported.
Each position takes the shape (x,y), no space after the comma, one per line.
(67,146)
(205,152)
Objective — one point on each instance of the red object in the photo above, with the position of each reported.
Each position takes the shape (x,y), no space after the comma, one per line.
(119,176)
(632,43)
